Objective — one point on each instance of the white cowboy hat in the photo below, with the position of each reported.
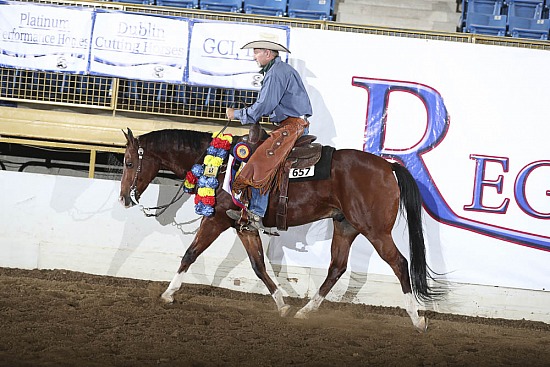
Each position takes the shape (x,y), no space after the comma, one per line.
(268,45)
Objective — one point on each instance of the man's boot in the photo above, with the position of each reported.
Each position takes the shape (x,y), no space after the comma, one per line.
(254,220)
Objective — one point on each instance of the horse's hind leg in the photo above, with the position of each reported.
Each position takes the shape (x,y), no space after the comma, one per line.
(209,230)
(344,234)
(385,246)
(253,245)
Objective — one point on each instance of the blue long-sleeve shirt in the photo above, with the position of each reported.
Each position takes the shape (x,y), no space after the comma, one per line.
(282,95)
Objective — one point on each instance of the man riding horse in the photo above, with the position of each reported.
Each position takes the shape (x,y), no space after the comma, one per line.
(284,99)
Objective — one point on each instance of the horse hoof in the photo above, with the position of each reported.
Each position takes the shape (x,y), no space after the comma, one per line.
(301,315)
(166,298)
(283,311)
(422,325)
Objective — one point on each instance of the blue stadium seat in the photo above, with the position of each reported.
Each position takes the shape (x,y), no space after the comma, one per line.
(265,7)
(488,7)
(526,8)
(138,2)
(494,25)
(191,4)
(519,27)
(310,9)
(233,6)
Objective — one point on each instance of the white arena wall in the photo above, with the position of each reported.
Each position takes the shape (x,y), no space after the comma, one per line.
(485,176)
(57,222)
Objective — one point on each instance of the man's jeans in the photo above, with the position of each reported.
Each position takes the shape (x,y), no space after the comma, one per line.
(258,203)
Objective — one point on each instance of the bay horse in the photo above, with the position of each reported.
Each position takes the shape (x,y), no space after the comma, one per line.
(361,196)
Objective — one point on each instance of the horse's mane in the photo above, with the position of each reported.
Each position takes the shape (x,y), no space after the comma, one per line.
(174,139)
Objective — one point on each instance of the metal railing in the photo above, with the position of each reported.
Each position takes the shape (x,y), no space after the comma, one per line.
(63,149)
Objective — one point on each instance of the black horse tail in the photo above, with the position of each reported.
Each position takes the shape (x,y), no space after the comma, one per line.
(411,204)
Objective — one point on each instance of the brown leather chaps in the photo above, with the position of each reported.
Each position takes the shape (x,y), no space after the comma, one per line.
(261,169)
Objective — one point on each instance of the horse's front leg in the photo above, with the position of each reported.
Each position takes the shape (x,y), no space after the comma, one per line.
(210,228)
(253,245)
(344,234)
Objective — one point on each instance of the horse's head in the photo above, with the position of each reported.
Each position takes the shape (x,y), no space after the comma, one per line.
(139,169)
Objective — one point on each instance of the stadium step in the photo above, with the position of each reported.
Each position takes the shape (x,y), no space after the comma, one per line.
(432,15)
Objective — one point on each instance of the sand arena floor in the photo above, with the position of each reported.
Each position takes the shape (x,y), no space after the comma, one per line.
(63,318)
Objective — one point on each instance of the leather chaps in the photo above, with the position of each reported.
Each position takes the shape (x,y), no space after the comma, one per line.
(261,169)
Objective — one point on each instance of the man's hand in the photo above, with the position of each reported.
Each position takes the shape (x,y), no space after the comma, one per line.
(230,113)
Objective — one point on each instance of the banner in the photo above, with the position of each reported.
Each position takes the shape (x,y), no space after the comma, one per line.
(216,58)
(133,46)
(139,46)
(50,38)
(473,134)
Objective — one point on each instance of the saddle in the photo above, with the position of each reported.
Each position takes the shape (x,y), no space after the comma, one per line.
(303,155)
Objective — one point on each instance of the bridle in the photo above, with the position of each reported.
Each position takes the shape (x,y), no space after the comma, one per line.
(134,193)
(133,188)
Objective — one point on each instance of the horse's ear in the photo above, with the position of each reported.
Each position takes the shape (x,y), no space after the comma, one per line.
(129,136)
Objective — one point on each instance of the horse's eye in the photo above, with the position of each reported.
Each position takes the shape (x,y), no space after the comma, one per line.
(129,164)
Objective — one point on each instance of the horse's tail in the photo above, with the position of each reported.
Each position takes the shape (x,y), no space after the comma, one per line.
(411,204)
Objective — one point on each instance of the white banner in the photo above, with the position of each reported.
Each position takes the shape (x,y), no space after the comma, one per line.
(139,46)
(468,121)
(45,37)
(216,58)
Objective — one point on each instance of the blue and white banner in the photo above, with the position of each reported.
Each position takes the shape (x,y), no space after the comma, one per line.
(45,37)
(216,57)
(130,45)
(139,46)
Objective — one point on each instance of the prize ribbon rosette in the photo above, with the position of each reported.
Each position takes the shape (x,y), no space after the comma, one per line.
(202,178)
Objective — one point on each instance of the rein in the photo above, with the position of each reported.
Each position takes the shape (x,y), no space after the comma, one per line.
(178,195)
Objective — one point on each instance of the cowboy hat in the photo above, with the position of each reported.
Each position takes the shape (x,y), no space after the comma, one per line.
(268,45)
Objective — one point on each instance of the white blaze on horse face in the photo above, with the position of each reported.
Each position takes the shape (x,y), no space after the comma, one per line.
(130,165)
(126,183)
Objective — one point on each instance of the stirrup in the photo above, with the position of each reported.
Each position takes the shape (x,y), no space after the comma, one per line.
(249,221)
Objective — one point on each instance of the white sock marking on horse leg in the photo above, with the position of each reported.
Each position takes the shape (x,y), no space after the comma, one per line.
(311,306)
(278,297)
(173,287)
(280,302)
(419,322)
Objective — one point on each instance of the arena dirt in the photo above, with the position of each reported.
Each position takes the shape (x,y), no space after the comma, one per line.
(63,318)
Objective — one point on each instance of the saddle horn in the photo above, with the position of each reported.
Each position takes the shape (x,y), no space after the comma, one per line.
(254,133)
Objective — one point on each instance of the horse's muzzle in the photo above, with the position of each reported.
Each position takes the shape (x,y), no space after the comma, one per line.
(126,201)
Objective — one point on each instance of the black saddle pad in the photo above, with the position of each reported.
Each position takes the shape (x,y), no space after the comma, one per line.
(322,168)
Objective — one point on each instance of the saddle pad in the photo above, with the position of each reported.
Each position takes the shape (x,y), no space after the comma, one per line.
(322,168)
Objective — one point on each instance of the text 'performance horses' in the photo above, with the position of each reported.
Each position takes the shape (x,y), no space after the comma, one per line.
(361,196)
